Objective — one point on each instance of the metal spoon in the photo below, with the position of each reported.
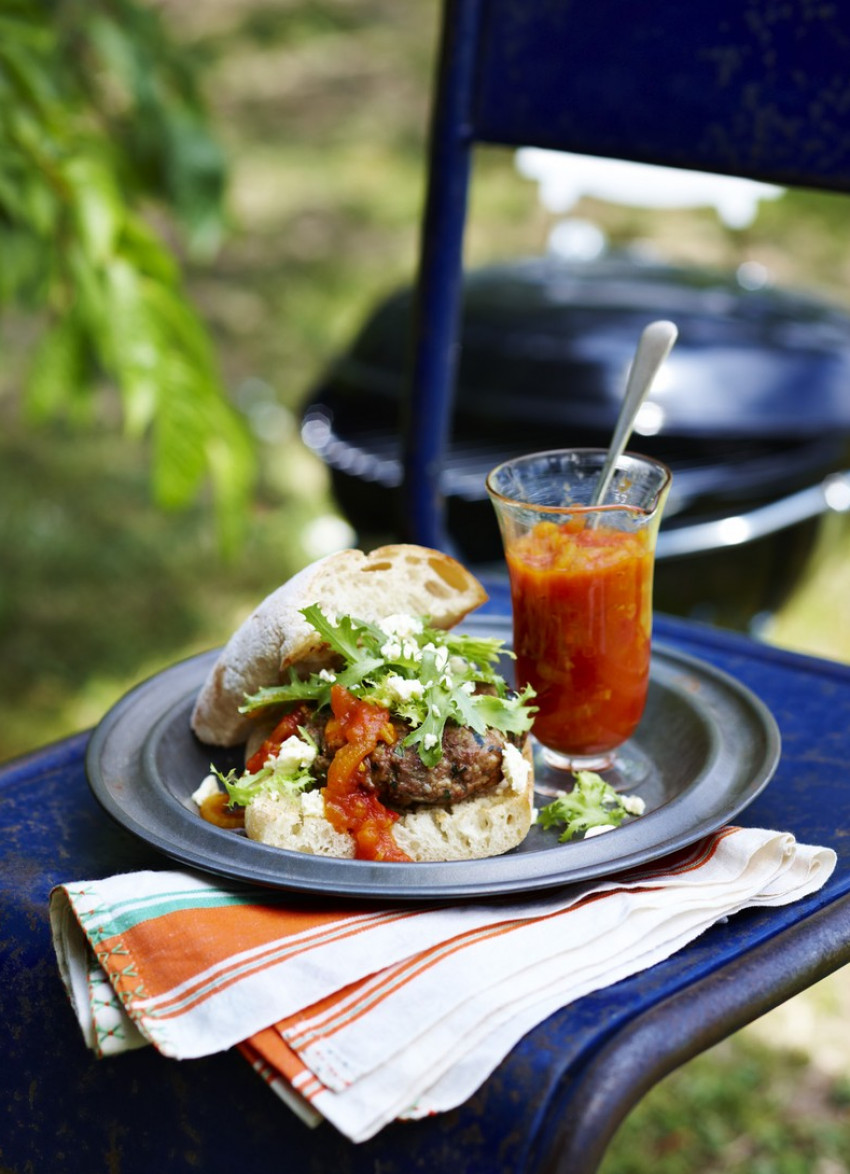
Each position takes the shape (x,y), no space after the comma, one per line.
(653,347)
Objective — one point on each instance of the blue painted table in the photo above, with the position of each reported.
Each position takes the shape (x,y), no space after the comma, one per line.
(552,1105)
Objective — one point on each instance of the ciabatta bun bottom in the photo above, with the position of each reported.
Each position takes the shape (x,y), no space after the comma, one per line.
(486,825)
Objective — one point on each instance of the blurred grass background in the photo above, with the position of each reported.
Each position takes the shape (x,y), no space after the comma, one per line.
(322,108)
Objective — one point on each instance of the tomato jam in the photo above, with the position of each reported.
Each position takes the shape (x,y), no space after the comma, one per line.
(582,605)
(287,727)
(215,809)
(356,728)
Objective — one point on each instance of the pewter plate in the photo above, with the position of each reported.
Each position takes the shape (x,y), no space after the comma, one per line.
(711,745)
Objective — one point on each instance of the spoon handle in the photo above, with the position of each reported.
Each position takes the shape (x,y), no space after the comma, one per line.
(654,346)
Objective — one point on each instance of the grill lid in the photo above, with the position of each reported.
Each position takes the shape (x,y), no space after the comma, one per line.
(547,342)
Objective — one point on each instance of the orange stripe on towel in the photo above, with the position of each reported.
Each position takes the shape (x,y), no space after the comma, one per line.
(189,954)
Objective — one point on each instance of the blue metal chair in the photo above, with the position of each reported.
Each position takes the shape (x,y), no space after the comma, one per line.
(712,85)
(552,1105)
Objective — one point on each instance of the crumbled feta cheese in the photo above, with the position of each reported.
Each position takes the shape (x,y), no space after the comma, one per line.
(599,829)
(295,754)
(400,625)
(515,768)
(468,687)
(441,655)
(401,690)
(312,803)
(633,804)
(395,649)
(327,675)
(429,741)
(207,788)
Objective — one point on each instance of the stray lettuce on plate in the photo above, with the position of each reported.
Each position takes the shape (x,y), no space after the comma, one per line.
(592,803)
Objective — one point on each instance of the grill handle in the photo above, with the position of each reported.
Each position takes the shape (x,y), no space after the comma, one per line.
(832,494)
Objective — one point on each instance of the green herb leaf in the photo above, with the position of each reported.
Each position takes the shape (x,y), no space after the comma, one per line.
(511,715)
(312,689)
(345,635)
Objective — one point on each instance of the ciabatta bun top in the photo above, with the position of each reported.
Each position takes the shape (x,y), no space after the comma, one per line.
(401,579)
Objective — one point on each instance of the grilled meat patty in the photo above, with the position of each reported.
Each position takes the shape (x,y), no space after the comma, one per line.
(471,765)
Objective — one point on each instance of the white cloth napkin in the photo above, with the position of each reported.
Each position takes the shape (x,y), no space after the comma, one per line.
(361,1015)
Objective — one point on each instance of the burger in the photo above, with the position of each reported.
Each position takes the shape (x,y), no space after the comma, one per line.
(373,729)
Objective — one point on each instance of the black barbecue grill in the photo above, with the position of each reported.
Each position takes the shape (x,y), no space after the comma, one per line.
(752,414)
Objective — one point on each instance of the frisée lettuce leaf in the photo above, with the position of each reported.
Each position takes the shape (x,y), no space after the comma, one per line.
(592,803)
(286,772)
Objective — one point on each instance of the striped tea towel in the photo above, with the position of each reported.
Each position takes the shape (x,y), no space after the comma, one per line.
(361,1015)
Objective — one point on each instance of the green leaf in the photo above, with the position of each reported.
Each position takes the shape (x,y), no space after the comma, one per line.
(232,465)
(142,248)
(241,789)
(287,775)
(513,715)
(100,112)
(591,803)
(22,274)
(132,340)
(196,178)
(344,635)
(294,690)
(428,736)
(57,373)
(483,651)
(96,203)
(179,435)
(25,44)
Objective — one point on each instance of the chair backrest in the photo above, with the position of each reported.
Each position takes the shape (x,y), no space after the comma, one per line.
(736,87)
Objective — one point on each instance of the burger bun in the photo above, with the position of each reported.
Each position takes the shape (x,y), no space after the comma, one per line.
(400,579)
(480,826)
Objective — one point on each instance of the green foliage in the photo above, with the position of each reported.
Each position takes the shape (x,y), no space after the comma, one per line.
(740,1109)
(99,591)
(100,118)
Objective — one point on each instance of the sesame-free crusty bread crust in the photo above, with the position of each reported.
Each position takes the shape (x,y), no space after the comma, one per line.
(403,578)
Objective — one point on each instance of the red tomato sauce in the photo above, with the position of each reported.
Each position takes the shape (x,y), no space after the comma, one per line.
(215,809)
(357,727)
(582,604)
(287,727)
